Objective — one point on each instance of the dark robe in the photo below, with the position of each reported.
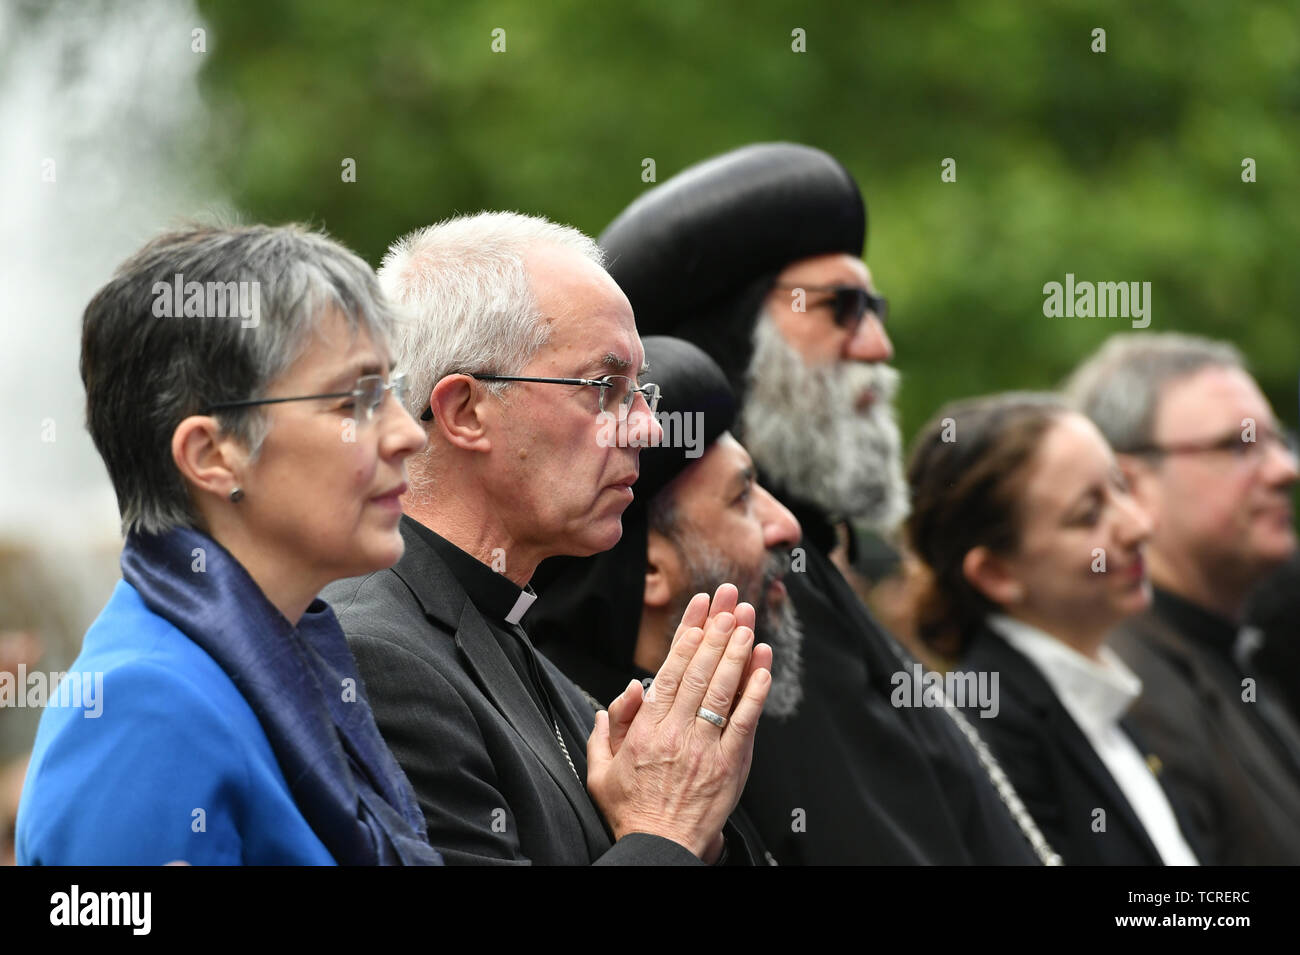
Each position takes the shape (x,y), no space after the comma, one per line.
(1223,759)
(876,783)
(696,256)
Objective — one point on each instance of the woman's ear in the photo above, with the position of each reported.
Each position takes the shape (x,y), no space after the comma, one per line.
(662,570)
(991,576)
(458,404)
(208,458)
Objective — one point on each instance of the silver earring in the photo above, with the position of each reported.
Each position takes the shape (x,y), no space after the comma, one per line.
(236,495)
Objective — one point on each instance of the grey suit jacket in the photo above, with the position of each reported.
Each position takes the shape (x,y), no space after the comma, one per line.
(1190,714)
(491,779)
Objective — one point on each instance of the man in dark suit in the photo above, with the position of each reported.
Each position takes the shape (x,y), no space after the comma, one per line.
(521,351)
(755,256)
(1203,454)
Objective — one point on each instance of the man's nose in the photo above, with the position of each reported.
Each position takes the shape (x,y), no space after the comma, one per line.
(1281,468)
(870,342)
(643,426)
(780,527)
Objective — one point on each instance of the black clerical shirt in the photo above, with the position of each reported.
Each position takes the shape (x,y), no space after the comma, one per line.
(1229,646)
(503,603)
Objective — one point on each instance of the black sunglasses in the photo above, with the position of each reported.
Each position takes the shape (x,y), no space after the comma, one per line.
(850,302)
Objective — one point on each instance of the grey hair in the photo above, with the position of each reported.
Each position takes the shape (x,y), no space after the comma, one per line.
(1120,386)
(145,372)
(470,306)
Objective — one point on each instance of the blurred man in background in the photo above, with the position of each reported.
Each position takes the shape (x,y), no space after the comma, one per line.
(1203,453)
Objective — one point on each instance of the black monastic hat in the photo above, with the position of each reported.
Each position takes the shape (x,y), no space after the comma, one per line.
(697,254)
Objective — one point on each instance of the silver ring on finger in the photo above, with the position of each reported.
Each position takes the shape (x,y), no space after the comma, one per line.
(712,717)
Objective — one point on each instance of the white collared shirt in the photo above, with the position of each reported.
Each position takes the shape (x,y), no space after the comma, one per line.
(1096,694)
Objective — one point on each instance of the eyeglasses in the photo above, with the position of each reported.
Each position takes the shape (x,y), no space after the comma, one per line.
(616,391)
(368,395)
(850,302)
(1234,444)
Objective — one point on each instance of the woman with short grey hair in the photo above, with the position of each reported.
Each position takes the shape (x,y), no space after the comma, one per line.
(238,389)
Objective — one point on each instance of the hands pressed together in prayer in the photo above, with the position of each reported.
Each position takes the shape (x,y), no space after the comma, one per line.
(655,763)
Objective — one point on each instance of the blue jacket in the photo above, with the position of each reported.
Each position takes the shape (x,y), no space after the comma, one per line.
(175,767)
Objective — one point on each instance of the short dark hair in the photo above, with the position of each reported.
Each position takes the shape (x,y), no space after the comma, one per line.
(146,369)
(966,472)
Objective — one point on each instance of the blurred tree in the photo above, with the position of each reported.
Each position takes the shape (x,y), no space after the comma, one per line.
(1123,165)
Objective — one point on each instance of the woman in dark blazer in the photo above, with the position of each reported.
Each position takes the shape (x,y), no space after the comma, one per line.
(1032,549)
(238,390)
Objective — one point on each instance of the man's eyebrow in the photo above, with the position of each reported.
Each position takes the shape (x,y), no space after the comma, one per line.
(744,477)
(615,364)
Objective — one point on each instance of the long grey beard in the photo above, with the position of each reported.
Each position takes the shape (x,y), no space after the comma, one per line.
(802,427)
(707,569)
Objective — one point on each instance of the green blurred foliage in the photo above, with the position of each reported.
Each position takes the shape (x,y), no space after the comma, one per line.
(1116,166)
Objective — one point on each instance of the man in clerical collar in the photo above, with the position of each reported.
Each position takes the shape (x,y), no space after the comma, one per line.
(755,256)
(700,519)
(520,349)
(1203,453)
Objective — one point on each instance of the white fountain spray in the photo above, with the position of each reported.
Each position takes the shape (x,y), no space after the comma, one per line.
(101,124)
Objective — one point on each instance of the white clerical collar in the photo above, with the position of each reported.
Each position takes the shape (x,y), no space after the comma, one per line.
(526,598)
(1098,692)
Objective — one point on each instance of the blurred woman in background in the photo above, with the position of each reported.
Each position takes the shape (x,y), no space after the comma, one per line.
(1033,552)
(238,389)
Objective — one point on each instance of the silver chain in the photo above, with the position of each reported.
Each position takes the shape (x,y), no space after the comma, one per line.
(1006,792)
(565,750)
(993,769)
